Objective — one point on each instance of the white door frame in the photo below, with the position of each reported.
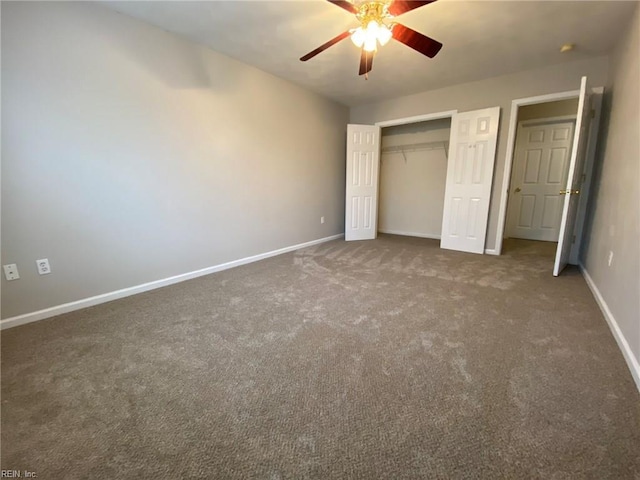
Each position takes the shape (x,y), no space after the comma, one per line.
(416,119)
(511,142)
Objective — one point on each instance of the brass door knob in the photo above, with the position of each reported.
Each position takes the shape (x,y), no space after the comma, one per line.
(518,189)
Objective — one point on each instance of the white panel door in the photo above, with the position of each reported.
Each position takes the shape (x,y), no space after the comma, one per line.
(539,173)
(472,153)
(363,163)
(574,179)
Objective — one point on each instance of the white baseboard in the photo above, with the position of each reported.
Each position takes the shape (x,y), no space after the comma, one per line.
(632,361)
(411,234)
(126,292)
(491,251)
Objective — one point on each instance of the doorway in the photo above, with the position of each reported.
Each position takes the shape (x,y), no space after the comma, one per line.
(413,172)
(575,193)
(362,176)
(540,167)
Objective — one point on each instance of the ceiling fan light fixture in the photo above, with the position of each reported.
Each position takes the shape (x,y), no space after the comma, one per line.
(372,15)
(369,37)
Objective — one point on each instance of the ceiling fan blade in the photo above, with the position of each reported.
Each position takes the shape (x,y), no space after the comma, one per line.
(348,6)
(398,7)
(324,46)
(366,62)
(419,42)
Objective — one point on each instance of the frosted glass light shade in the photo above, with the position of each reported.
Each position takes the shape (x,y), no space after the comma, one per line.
(370,44)
(369,37)
(384,35)
(358,37)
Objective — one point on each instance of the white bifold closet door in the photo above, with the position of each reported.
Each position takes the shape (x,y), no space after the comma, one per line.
(472,151)
(363,166)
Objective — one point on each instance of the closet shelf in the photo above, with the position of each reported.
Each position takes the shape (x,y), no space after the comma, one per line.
(416,146)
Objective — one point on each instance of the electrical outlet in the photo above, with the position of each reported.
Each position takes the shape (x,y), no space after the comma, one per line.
(321,219)
(11,271)
(43,266)
(610,259)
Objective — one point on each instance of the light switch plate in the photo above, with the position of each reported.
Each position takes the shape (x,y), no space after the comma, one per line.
(11,271)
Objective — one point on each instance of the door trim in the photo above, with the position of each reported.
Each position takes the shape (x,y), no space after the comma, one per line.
(511,143)
(448,114)
(416,119)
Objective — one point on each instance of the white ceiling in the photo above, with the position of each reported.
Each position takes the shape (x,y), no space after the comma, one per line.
(481,39)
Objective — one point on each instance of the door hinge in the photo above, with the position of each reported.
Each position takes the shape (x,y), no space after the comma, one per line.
(593,113)
(573,239)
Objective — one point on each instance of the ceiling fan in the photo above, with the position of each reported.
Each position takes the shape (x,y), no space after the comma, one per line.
(372,15)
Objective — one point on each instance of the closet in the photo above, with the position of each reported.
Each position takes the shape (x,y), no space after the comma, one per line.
(409,166)
(413,172)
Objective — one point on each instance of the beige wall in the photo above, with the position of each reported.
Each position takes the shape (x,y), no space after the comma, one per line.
(615,201)
(560,108)
(412,185)
(497,91)
(130,155)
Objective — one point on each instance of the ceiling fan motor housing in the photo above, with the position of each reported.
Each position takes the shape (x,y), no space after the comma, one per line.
(372,11)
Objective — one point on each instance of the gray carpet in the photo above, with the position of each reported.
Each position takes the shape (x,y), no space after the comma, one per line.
(388,359)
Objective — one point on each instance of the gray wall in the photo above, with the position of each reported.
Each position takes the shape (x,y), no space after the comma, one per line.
(412,186)
(130,155)
(615,209)
(497,91)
